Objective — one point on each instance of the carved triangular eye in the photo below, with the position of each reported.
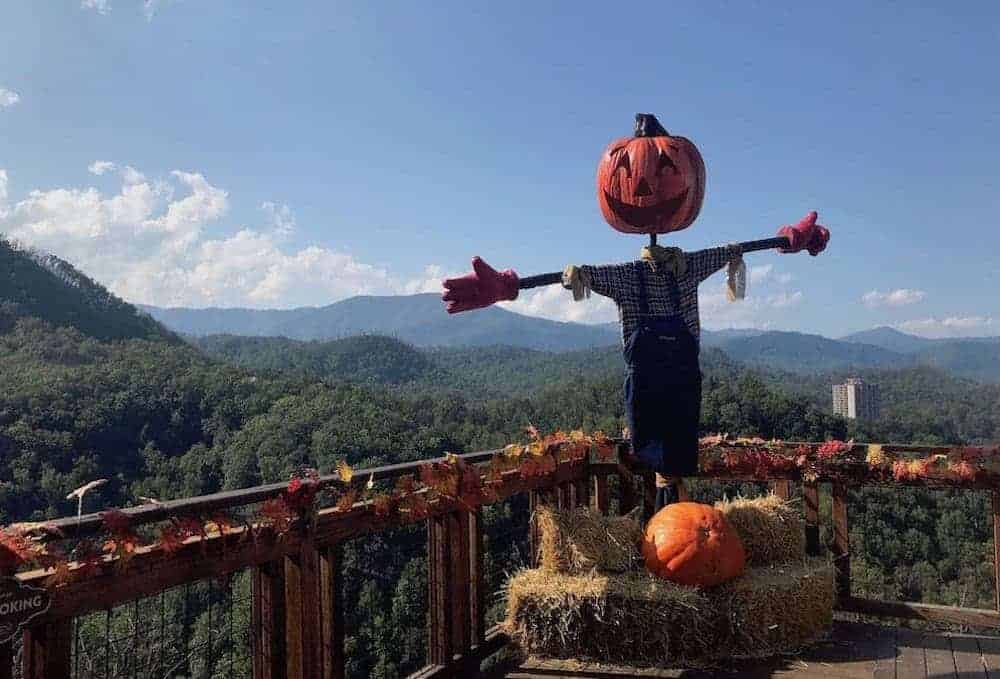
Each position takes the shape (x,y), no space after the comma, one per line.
(623,161)
(665,161)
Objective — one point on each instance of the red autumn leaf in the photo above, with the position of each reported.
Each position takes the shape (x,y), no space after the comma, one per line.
(383,505)
(171,539)
(964,471)
(416,506)
(605,451)
(278,514)
(301,495)
(189,526)
(832,449)
(14,551)
(406,484)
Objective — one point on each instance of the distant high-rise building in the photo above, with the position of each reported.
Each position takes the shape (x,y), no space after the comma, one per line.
(857,399)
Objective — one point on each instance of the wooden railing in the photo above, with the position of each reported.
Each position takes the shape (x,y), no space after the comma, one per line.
(297,607)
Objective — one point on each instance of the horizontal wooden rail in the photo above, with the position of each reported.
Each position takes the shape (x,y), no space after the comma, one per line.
(89,524)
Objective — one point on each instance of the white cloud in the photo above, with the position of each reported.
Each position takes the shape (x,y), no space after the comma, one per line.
(901,297)
(149,245)
(100,167)
(555,302)
(760,309)
(99,6)
(8,98)
(952,326)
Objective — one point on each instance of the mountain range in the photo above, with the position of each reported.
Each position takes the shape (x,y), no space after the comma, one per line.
(420,320)
(44,286)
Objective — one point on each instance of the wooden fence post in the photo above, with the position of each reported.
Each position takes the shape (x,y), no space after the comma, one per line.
(268,620)
(48,650)
(841,541)
(302,612)
(439,648)
(810,495)
(450,621)
(599,493)
(477,586)
(331,584)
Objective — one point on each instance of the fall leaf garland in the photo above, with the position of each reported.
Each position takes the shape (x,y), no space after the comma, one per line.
(453,482)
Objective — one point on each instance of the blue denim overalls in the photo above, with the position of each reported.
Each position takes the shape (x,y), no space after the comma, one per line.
(663,386)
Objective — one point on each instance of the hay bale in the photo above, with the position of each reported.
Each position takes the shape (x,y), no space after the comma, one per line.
(777,609)
(581,540)
(632,618)
(772,530)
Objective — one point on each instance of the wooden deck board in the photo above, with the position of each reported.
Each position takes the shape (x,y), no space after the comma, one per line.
(968,659)
(853,651)
(937,656)
(989,647)
(910,654)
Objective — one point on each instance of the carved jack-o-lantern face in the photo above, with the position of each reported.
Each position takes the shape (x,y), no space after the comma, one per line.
(650,183)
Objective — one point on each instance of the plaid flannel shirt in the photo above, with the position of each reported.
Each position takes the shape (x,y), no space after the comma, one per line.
(620,282)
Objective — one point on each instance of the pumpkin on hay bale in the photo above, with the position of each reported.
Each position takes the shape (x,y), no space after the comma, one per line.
(782,601)
(580,540)
(692,544)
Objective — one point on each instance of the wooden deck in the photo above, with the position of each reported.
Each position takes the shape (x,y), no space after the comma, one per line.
(853,651)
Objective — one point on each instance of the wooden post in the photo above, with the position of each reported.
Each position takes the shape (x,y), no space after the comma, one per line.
(439,648)
(477,587)
(626,488)
(841,541)
(48,650)
(459,581)
(648,495)
(331,586)
(451,626)
(782,488)
(996,548)
(810,495)
(302,613)
(599,493)
(268,620)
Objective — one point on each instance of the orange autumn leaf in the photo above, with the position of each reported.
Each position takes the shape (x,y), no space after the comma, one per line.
(383,505)
(346,501)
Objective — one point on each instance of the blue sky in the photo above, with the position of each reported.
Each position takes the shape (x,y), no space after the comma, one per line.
(276,154)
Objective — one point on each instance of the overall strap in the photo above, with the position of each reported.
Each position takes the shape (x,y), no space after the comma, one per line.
(673,290)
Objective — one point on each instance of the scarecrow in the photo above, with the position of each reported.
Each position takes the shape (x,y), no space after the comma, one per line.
(651,183)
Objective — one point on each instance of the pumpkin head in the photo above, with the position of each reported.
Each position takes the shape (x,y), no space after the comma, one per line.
(692,544)
(652,182)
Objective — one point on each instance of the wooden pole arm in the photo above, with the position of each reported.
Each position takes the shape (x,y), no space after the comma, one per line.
(544,279)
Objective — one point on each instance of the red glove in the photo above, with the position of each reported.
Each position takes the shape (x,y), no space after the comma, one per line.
(806,235)
(481,288)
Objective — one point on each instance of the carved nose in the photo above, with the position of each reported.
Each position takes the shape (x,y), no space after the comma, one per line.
(643,189)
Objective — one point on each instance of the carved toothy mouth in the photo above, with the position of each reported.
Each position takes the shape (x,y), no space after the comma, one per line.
(638,215)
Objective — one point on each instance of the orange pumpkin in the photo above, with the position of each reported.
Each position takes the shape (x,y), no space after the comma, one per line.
(652,182)
(692,544)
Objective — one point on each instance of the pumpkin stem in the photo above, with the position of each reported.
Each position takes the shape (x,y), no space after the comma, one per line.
(646,125)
